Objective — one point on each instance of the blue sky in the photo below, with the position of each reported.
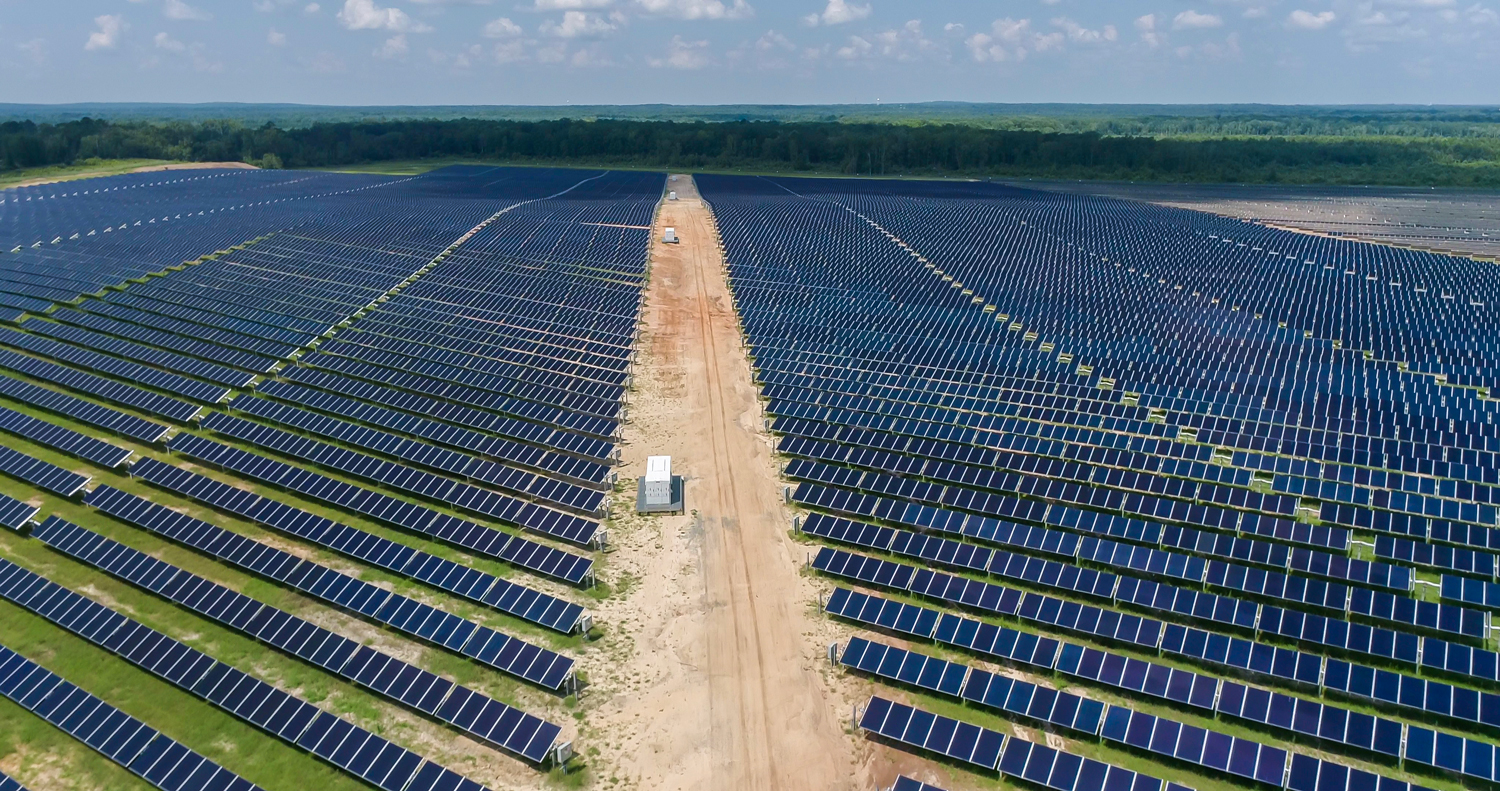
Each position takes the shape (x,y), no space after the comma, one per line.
(752,51)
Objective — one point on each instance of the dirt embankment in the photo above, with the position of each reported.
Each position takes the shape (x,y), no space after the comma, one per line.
(143,169)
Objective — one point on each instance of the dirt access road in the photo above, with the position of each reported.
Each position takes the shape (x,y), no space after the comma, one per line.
(714,673)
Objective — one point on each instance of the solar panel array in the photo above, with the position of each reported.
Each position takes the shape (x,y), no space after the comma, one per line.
(1071,435)
(123,739)
(461,339)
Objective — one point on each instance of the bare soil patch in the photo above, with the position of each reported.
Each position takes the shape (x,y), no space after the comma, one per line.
(713,673)
(143,169)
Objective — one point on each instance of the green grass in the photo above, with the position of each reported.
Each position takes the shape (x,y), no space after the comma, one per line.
(85,169)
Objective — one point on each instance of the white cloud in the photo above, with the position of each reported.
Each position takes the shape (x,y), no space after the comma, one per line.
(263,6)
(1254,12)
(1192,20)
(1011,39)
(108,34)
(773,41)
(501,28)
(1479,15)
(685,55)
(509,51)
(177,9)
(365,15)
(1083,35)
(698,9)
(166,42)
(1307,20)
(837,13)
(312,8)
(857,47)
(394,47)
(276,38)
(577,24)
(906,43)
(590,56)
(1146,26)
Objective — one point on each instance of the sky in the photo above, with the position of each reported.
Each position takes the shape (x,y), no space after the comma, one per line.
(552,52)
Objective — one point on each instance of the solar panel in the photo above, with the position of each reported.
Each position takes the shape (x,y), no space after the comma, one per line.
(81,410)
(365,667)
(62,439)
(473,537)
(125,740)
(1243,758)
(1135,675)
(954,739)
(405,684)
(40,473)
(486,645)
(14,514)
(1312,719)
(903,783)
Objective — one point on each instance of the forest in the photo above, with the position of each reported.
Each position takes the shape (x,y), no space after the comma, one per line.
(825,147)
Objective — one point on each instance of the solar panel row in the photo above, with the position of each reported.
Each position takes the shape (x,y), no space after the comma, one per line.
(530,516)
(353,749)
(174,384)
(14,514)
(505,478)
(481,643)
(553,462)
(401,513)
(62,439)
(107,389)
(190,346)
(81,410)
(159,760)
(417,689)
(488,589)
(41,474)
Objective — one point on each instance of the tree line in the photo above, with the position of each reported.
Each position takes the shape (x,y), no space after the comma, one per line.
(760,146)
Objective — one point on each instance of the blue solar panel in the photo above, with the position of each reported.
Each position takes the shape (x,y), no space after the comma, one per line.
(482,643)
(904,783)
(1243,758)
(905,667)
(1416,696)
(1311,719)
(475,538)
(955,739)
(62,439)
(1284,664)
(81,410)
(1135,675)
(14,514)
(159,760)
(40,473)
(395,679)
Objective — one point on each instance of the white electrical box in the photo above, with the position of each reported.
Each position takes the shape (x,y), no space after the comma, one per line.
(672,195)
(669,235)
(658,480)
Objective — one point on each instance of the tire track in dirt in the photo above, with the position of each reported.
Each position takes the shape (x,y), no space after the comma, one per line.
(719,682)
